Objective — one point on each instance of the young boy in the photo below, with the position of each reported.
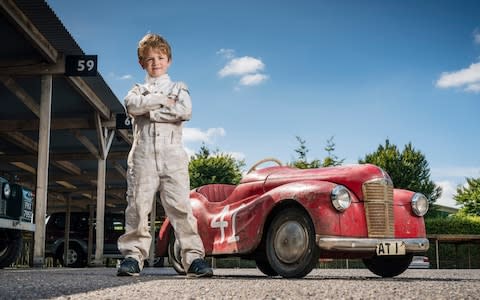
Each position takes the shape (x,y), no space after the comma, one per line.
(158,162)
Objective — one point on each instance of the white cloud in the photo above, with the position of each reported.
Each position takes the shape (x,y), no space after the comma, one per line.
(189,151)
(248,69)
(459,172)
(449,189)
(227,53)
(476,36)
(120,77)
(253,79)
(474,87)
(242,66)
(469,78)
(237,155)
(197,135)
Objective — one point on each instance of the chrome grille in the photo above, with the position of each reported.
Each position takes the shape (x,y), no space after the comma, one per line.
(378,201)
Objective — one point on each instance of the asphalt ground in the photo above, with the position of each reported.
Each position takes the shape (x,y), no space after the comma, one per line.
(164,283)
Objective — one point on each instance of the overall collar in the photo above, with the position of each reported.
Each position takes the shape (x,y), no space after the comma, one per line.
(157,80)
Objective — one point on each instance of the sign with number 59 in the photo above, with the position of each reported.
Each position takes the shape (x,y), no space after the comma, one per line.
(81,65)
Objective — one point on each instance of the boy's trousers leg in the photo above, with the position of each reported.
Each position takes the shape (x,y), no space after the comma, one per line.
(176,203)
(136,240)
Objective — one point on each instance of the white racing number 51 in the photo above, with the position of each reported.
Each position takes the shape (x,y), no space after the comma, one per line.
(221,221)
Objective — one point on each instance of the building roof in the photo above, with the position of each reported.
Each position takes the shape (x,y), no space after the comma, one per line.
(36,44)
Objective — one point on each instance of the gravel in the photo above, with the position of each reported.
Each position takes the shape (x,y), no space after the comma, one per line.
(164,283)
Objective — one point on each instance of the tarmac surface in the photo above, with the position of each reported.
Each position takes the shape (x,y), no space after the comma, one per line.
(164,283)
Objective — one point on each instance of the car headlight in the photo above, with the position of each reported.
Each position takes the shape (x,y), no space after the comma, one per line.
(419,204)
(6,190)
(340,198)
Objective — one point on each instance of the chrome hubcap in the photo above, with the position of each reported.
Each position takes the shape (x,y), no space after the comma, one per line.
(71,256)
(290,242)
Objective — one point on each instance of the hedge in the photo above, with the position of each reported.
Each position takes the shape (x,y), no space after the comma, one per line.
(456,224)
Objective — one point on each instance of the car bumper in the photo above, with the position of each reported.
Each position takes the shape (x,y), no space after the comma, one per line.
(417,245)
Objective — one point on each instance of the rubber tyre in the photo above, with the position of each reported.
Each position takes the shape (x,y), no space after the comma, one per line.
(77,257)
(290,244)
(265,268)
(388,266)
(157,262)
(174,254)
(10,247)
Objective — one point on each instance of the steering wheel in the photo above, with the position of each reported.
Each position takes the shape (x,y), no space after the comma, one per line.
(269,159)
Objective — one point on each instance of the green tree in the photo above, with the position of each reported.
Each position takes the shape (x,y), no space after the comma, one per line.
(331,159)
(206,167)
(301,162)
(469,197)
(408,169)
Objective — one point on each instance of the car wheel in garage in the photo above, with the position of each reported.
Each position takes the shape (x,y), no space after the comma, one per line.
(76,257)
(290,244)
(10,247)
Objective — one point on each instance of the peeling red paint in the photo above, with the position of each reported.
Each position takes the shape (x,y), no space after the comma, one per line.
(231,219)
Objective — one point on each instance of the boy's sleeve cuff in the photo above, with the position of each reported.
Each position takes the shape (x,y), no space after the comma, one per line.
(156,99)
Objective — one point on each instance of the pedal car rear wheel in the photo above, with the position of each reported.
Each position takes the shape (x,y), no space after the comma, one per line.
(290,244)
(388,266)
(174,254)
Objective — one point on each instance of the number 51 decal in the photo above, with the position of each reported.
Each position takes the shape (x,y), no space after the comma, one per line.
(221,221)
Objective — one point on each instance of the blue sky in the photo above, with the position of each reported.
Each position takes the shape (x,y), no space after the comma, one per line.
(262,72)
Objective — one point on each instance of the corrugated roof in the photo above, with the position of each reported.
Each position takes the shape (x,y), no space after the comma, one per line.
(48,23)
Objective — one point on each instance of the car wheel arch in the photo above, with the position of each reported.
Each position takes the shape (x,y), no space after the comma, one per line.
(281,205)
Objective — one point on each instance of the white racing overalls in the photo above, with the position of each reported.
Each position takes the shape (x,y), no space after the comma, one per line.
(158,162)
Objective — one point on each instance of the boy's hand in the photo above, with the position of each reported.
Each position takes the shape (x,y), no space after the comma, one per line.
(171,101)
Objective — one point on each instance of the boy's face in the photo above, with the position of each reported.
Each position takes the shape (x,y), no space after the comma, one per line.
(155,62)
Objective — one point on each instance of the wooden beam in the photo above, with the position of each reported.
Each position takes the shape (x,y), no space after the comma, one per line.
(21,94)
(82,87)
(21,141)
(112,156)
(56,124)
(29,30)
(24,166)
(87,143)
(120,169)
(16,68)
(125,135)
(30,145)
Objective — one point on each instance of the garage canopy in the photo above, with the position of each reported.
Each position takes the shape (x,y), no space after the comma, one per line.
(58,133)
(82,109)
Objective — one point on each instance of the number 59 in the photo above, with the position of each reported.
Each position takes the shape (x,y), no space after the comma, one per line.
(83,64)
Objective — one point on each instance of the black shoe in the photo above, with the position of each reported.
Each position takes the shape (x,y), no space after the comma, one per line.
(128,267)
(199,268)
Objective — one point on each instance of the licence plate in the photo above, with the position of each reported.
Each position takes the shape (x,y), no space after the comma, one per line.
(391,248)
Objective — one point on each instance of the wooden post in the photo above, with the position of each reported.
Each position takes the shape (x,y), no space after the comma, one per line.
(67,232)
(100,220)
(105,138)
(42,170)
(91,210)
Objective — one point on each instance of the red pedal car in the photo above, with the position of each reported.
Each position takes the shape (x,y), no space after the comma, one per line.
(286,218)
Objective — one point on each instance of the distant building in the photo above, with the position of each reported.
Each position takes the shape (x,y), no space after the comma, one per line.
(446,211)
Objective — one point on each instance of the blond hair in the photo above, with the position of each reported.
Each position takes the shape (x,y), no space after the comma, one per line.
(153,41)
